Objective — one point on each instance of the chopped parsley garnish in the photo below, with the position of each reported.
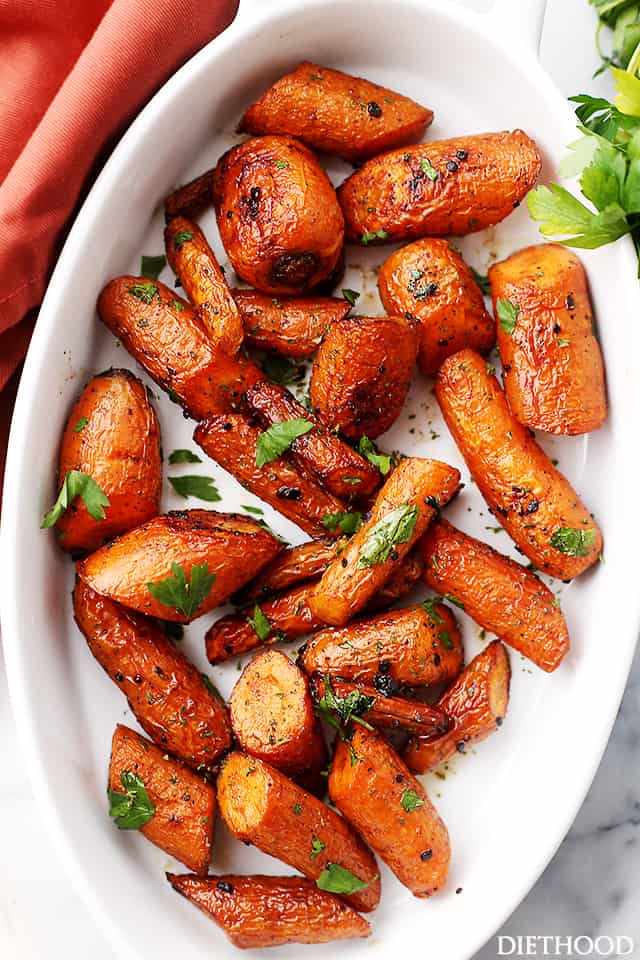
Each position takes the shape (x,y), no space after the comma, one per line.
(339,712)
(508,315)
(152,267)
(349,523)
(185,596)
(249,509)
(351,296)
(260,623)
(279,438)
(573,542)
(317,846)
(144,291)
(283,370)
(430,606)
(411,801)
(482,281)
(336,879)
(181,237)
(80,425)
(428,169)
(77,484)
(375,235)
(203,488)
(133,808)
(397,527)
(184,456)
(369,450)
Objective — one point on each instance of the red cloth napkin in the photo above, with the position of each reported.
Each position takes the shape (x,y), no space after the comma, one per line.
(73,74)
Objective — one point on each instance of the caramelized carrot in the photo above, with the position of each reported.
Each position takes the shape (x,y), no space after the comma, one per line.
(290,568)
(292,326)
(191,198)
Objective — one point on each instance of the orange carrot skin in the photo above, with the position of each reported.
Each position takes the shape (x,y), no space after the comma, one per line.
(552,365)
(480,179)
(278,215)
(362,373)
(185,813)
(501,595)
(292,326)
(232,442)
(429,280)
(409,646)
(531,498)
(191,198)
(168,696)
(293,566)
(381,798)
(476,705)
(336,113)
(232,546)
(162,332)
(259,804)
(267,911)
(194,263)
(112,434)
(320,452)
(289,615)
(346,585)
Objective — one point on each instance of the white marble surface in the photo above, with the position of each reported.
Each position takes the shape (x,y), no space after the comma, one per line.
(591,887)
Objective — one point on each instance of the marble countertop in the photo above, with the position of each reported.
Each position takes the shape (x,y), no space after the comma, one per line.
(592,886)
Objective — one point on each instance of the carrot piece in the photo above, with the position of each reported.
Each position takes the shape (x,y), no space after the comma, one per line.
(292,326)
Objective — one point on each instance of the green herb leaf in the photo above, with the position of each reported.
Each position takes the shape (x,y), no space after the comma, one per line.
(181,237)
(184,456)
(203,488)
(133,808)
(563,216)
(369,450)
(211,687)
(376,235)
(508,315)
(177,305)
(80,425)
(351,296)
(260,623)
(144,291)
(278,438)
(185,596)
(336,879)
(77,484)
(281,164)
(411,801)
(340,712)
(454,600)
(257,510)
(283,370)
(428,169)
(574,542)
(430,606)
(152,267)
(349,523)
(397,527)
(317,846)
(482,281)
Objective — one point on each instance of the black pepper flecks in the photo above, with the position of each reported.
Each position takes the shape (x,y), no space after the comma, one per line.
(426,855)
(225,886)
(452,166)
(461,154)
(288,493)
(374,109)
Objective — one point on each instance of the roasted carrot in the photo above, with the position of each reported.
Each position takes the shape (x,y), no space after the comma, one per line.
(259,804)
(290,568)
(400,583)
(286,617)
(161,331)
(362,373)
(476,705)
(259,911)
(278,215)
(133,568)
(403,509)
(232,441)
(551,361)
(445,187)
(273,718)
(112,434)
(337,113)
(391,810)
(534,502)
(185,805)
(191,198)
(385,712)
(501,595)
(412,647)
(429,280)
(292,326)
(171,701)
(194,263)
(320,452)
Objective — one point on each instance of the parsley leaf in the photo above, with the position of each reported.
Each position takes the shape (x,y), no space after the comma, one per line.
(563,215)
(369,450)
(482,281)
(279,438)
(351,296)
(181,237)
(573,542)
(317,846)
(133,808)
(203,488)
(183,456)
(211,687)
(260,623)
(80,425)
(152,267)
(339,712)
(144,291)
(376,235)
(454,600)
(185,596)
(259,512)
(396,527)
(428,169)
(337,879)
(77,484)
(282,369)
(508,315)
(349,523)
(430,606)
(411,801)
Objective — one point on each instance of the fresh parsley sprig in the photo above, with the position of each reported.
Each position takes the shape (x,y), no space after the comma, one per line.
(133,808)
(77,484)
(397,527)
(341,712)
(186,596)
(278,438)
